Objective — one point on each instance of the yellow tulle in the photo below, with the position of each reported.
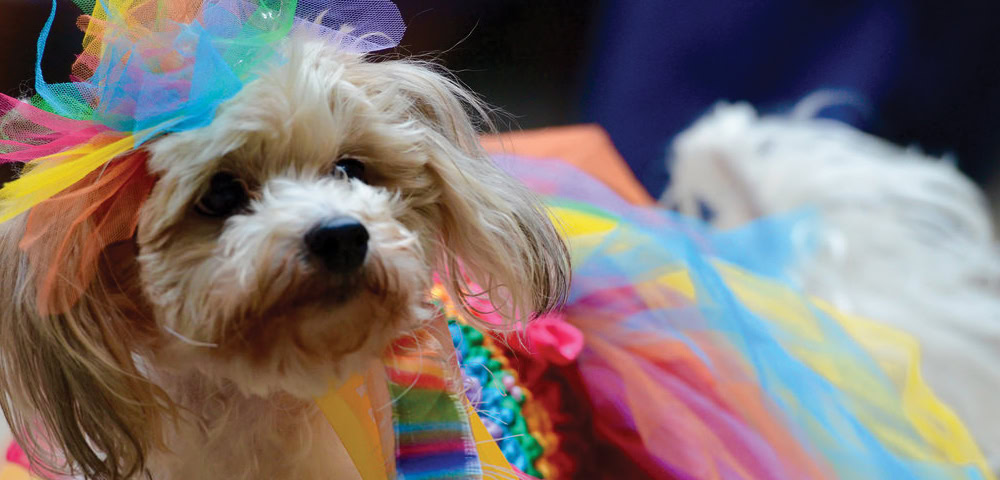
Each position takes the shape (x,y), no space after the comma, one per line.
(47,176)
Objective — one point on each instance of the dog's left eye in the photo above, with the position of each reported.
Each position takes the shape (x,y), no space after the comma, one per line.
(351,168)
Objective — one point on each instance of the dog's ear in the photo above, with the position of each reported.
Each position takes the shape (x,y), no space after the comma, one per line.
(73,393)
(495,232)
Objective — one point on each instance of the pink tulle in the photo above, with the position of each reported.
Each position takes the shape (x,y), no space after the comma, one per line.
(28,133)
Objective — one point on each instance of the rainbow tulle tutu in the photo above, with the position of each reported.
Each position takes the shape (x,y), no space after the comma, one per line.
(700,362)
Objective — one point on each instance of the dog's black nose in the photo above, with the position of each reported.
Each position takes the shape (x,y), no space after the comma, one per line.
(341,243)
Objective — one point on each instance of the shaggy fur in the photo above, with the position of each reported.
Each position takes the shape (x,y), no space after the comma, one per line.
(905,240)
(196,351)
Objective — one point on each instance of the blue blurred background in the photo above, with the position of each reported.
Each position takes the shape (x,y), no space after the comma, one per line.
(918,72)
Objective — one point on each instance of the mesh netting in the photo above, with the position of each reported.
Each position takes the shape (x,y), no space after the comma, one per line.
(66,234)
(153,66)
(28,133)
(147,67)
(700,363)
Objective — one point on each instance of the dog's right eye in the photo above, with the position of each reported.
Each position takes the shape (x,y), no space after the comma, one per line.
(225,196)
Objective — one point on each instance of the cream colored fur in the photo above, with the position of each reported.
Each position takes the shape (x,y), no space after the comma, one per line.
(196,352)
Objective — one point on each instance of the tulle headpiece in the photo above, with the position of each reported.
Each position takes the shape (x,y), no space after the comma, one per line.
(147,67)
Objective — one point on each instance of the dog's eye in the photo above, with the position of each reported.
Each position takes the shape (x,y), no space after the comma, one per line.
(226,194)
(351,168)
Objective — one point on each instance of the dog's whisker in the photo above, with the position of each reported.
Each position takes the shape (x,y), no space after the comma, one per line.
(416,378)
(503,391)
(492,416)
(501,438)
(189,341)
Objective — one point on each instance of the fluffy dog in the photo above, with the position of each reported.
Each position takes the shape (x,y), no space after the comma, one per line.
(283,246)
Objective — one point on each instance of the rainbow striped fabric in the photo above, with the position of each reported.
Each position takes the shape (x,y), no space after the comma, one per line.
(433,435)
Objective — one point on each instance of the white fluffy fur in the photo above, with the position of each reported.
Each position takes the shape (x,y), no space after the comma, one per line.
(906,240)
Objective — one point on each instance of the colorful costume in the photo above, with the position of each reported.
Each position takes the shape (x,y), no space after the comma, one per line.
(700,363)
(680,354)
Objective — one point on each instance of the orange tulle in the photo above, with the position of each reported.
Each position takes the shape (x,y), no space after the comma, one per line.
(66,234)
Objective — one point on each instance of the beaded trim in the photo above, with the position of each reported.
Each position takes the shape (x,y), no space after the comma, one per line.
(521,426)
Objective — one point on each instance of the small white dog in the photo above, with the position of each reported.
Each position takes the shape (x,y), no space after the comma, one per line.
(905,240)
(283,246)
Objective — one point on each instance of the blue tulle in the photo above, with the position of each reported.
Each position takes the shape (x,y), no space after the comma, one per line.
(156,75)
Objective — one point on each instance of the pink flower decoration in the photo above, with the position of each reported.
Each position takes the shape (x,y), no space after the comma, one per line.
(554,339)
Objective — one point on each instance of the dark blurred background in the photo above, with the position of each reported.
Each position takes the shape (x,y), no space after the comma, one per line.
(919,72)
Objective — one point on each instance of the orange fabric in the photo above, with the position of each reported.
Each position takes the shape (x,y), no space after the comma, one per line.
(66,234)
(587,147)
